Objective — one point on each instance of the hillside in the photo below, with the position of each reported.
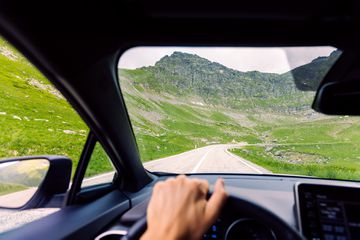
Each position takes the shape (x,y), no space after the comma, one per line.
(185,101)
(34,117)
(309,76)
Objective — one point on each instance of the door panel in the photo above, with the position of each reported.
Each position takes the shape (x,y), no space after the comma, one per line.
(75,222)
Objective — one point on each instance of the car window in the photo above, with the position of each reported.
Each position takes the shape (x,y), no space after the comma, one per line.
(100,169)
(236,110)
(35,119)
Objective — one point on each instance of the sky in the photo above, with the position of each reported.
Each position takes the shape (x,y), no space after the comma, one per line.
(272,60)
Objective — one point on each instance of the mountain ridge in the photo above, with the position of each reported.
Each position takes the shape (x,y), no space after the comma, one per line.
(188,75)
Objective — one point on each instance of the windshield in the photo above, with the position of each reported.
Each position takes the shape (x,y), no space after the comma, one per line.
(236,110)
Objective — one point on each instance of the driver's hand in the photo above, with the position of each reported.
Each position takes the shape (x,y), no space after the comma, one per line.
(178,209)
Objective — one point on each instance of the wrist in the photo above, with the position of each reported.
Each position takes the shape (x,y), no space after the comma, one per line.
(148,235)
(160,235)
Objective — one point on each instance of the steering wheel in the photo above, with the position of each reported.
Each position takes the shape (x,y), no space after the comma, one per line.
(282,230)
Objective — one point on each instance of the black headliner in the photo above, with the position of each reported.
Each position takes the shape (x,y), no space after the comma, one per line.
(74,36)
(77,47)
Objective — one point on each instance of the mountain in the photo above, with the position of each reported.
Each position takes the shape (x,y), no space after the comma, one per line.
(309,76)
(187,75)
(185,101)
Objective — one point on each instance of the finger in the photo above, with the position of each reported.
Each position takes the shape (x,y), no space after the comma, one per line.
(215,203)
(181,177)
(158,186)
(202,185)
(170,180)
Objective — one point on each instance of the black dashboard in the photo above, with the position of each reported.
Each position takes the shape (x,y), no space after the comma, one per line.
(287,197)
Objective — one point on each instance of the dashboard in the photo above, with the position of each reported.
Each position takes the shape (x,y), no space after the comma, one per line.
(318,208)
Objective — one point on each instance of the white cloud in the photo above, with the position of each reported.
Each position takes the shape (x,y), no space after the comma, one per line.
(275,60)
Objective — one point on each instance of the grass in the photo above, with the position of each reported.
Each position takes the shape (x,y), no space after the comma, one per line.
(334,168)
(323,148)
(184,128)
(99,162)
(7,188)
(33,120)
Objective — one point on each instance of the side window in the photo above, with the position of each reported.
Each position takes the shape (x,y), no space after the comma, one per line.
(100,169)
(35,119)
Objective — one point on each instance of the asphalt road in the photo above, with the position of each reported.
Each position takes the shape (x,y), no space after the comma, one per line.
(209,159)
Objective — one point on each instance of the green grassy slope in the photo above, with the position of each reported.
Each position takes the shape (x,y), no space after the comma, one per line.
(326,148)
(34,118)
(165,125)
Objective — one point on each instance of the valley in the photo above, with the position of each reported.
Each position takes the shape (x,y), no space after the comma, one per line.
(185,102)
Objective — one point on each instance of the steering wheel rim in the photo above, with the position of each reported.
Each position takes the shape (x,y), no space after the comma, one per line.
(282,230)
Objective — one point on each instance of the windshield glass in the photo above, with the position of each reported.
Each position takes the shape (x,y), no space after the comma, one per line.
(236,110)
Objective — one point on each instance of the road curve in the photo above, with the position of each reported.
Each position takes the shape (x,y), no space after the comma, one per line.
(209,159)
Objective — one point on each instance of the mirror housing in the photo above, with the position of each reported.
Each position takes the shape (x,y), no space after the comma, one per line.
(338,98)
(56,180)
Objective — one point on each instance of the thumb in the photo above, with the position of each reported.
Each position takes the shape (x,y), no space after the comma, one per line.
(215,203)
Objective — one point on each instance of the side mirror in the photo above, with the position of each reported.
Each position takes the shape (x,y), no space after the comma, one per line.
(31,182)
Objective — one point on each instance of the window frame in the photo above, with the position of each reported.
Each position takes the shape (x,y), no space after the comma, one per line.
(77,193)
